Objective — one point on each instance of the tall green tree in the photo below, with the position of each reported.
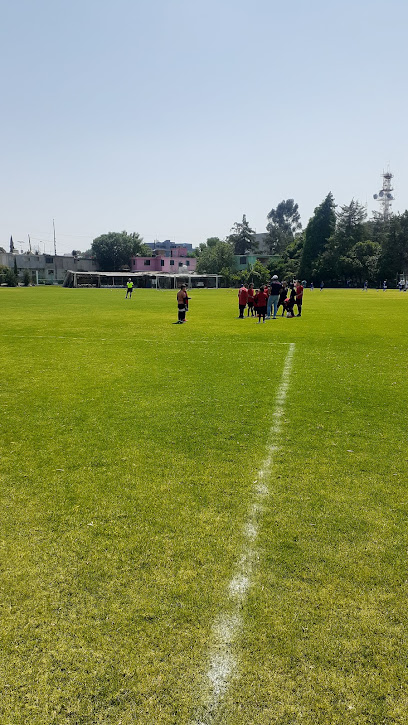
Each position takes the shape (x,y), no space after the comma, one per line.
(283,223)
(287,266)
(216,258)
(334,263)
(242,237)
(203,246)
(361,262)
(350,229)
(319,229)
(212,241)
(394,254)
(114,250)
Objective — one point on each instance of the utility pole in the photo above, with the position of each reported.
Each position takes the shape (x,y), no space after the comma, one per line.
(55,243)
(55,254)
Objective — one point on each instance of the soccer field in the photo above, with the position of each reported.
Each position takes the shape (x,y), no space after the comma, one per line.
(203,523)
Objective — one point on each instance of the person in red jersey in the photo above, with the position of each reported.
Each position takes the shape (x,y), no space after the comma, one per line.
(256,302)
(299,298)
(182,304)
(242,300)
(262,300)
(251,295)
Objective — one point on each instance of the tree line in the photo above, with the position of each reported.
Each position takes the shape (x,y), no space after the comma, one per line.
(338,245)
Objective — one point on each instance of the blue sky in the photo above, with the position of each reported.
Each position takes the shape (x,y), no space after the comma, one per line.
(174,118)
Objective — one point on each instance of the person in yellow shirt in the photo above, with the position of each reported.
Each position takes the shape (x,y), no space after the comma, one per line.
(129,285)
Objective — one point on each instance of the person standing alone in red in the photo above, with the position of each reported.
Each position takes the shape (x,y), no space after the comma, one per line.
(182,304)
(242,300)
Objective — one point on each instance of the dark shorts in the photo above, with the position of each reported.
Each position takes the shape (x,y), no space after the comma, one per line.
(242,308)
(250,303)
(262,310)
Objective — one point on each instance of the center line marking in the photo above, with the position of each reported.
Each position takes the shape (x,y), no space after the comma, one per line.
(222,662)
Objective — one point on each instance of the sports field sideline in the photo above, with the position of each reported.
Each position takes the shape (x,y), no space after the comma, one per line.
(203,523)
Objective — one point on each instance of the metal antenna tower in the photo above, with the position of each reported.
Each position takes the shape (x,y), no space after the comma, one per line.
(385,197)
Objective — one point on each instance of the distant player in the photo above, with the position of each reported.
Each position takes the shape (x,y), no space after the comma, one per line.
(290,301)
(299,298)
(262,300)
(275,288)
(129,285)
(365,288)
(256,302)
(242,300)
(251,295)
(282,297)
(182,304)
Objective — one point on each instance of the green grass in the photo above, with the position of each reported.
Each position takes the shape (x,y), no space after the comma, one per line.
(128,451)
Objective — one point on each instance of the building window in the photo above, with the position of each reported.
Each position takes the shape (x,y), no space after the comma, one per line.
(180,264)
(162,263)
(147,263)
(49,260)
(172,262)
(242,260)
(187,263)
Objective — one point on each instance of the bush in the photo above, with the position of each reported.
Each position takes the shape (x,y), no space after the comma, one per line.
(10,278)
(26,278)
(3,270)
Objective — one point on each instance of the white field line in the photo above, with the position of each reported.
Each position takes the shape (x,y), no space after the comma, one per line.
(222,661)
(154,341)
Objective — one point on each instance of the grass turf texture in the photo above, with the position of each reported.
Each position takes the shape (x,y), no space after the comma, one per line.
(128,451)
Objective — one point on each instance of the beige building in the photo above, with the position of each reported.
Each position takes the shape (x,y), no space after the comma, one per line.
(47,268)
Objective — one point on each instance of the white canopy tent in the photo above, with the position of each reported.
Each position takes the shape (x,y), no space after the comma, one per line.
(156,280)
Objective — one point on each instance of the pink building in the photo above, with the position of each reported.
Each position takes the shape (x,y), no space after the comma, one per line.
(165,260)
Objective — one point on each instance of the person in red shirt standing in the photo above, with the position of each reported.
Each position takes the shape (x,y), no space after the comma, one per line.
(299,298)
(256,302)
(262,300)
(182,304)
(242,300)
(251,295)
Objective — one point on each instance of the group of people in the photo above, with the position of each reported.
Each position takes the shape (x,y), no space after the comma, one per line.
(265,302)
